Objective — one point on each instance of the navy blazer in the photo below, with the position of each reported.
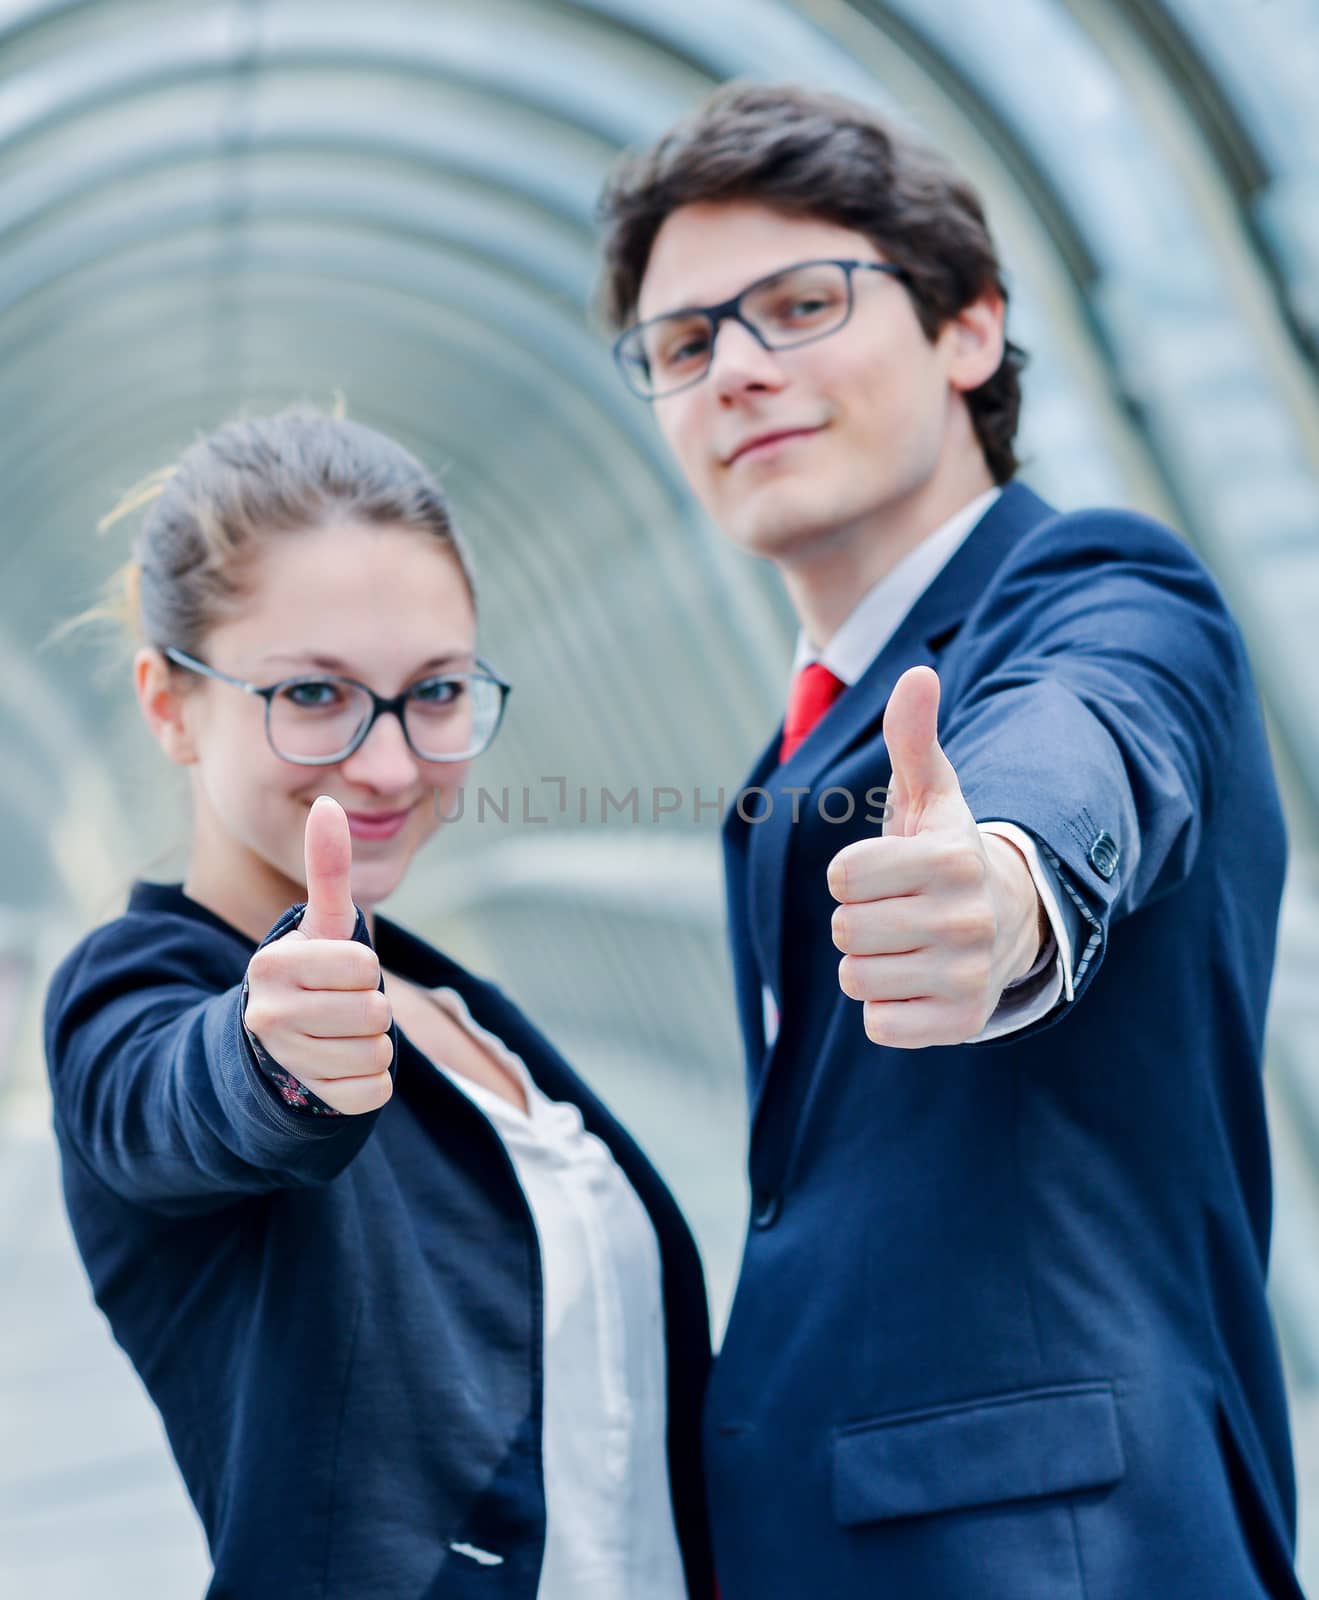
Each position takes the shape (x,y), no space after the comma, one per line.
(339,1318)
(1001,1330)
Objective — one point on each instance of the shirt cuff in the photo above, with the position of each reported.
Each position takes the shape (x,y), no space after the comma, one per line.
(1050,980)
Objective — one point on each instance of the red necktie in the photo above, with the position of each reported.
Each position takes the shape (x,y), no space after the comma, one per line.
(813,691)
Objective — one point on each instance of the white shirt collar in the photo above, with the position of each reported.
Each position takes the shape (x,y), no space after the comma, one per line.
(874,620)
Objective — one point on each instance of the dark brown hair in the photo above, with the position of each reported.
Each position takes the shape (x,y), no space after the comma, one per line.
(818,155)
(250,481)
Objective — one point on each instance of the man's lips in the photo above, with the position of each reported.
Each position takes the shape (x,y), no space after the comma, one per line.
(771,436)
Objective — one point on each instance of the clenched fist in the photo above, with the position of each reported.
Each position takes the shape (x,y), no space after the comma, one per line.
(313,996)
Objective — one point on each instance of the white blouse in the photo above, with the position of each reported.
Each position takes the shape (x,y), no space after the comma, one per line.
(610,1533)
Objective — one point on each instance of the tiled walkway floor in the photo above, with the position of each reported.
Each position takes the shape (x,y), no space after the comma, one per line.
(91,1507)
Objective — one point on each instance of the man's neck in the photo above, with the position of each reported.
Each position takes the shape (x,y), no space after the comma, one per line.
(827,581)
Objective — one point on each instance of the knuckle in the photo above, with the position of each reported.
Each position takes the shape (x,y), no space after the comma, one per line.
(841,928)
(961,865)
(382,1047)
(258,1018)
(264,964)
(972,979)
(261,1030)
(362,1096)
(875,1022)
(970,926)
(355,962)
(849,978)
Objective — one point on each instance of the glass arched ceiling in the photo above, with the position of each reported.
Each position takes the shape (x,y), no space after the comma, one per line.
(1259,99)
(208,207)
(213,207)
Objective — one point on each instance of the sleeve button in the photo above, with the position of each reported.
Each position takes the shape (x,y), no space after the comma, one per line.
(1104,855)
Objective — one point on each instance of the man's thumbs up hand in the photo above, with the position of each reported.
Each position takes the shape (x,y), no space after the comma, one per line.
(935,918)
(924,794)
(313,997)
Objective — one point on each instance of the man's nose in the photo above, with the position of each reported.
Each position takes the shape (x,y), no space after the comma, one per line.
(740,361)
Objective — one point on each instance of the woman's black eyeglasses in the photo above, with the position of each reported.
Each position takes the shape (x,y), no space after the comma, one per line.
(315,721)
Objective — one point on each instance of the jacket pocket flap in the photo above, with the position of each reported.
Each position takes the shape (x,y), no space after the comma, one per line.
(1000,1447)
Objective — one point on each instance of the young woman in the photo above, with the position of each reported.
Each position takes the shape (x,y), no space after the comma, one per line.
(420,1318)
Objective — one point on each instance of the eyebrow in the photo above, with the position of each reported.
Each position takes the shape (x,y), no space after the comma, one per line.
(765,279)
(343,669)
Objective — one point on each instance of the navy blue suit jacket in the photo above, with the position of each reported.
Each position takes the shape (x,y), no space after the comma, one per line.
(1001,1330)
(339,1318)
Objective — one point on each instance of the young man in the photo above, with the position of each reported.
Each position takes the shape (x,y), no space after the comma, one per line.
(1001,1329)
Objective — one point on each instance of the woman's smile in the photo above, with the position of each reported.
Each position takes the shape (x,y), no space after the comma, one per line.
(376,824)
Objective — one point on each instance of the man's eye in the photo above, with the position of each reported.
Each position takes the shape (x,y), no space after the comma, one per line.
(682,349)
(804,307)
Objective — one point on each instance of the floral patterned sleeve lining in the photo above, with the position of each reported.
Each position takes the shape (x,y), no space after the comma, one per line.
(290,1090)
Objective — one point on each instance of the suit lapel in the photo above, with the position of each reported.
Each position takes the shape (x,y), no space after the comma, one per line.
(753,954)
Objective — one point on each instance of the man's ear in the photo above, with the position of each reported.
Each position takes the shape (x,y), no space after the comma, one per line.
(162,704)
(974,340)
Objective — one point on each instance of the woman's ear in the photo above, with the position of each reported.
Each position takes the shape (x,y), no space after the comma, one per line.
(974,340)
(163,706)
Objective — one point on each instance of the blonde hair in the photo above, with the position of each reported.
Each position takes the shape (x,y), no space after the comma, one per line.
(252,480)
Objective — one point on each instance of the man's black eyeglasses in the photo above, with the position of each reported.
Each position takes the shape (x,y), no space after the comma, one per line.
(794,306)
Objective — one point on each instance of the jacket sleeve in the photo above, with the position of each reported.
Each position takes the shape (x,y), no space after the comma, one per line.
(1097,709)
(157,1086)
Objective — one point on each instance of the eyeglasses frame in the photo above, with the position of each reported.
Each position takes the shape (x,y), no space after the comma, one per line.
(731,311)
(380,704)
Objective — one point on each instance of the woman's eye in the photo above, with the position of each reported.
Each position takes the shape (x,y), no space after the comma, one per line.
(313,695)
(437,691)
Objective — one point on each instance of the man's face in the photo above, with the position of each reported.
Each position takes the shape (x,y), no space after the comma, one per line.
(850,426)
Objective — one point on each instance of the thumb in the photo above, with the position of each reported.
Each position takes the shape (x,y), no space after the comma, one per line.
(328,849)
(923,776)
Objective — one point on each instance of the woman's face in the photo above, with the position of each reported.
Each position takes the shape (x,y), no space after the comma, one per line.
(386,606)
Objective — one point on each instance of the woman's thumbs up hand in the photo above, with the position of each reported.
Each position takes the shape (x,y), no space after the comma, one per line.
(313,997)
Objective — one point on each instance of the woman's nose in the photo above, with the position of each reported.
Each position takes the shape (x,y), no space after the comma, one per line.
(384,760)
